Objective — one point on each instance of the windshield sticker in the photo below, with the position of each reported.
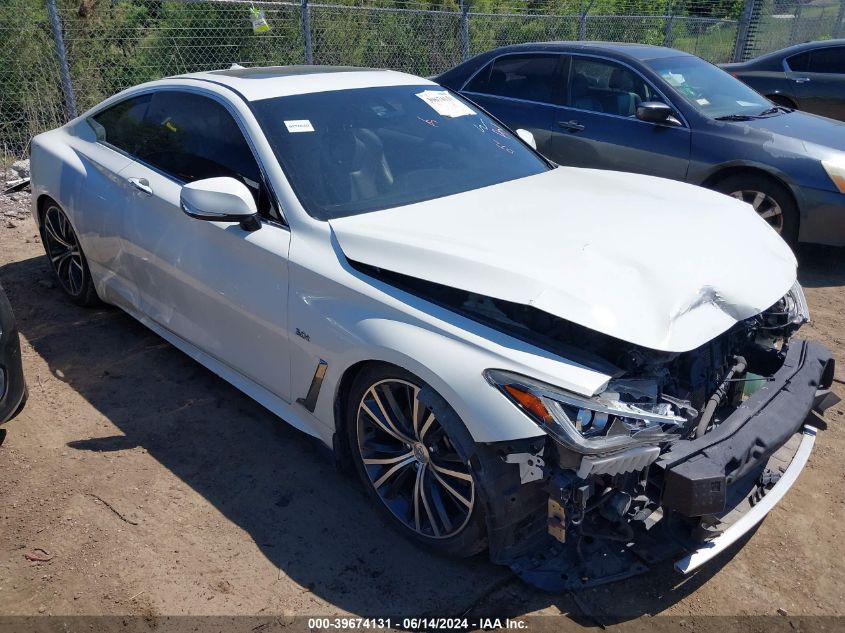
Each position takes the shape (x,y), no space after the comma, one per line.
(445,104)
(299,125)
(702,102)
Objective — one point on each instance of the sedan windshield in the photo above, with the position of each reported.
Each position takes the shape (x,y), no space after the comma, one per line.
(353,151)
(709,89)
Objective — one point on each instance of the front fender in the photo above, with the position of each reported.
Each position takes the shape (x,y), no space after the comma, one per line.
(451,367)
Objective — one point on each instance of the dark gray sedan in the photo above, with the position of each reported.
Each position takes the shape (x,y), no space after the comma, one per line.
(662,112)
(12,386)
(809,77)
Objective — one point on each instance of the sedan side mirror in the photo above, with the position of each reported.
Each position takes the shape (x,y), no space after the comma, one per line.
(527,136)
(654,112)
(220,200)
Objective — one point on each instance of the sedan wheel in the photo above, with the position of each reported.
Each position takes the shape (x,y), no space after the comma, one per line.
(66,256)
(411,465)
(765,206)
(771,199)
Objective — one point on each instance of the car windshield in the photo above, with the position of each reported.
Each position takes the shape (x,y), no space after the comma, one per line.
(352,151)
(709,89)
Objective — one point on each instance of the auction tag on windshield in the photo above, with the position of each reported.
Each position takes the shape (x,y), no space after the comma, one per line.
(445,104)
(299,125)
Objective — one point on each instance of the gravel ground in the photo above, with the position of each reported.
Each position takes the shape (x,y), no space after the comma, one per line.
(158,490)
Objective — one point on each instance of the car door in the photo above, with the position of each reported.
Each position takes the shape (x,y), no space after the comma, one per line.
(598,126)
(104,146)
(819,80)
(522,90)
(214,284)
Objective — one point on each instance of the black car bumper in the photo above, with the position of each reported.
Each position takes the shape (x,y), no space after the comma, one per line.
(696,474)
(822,216)
(13,391)
(710,491)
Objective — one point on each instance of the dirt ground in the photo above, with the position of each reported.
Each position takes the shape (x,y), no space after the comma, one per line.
(158,489)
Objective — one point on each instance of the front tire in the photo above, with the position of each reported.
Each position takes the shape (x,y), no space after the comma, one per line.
(409,465)
(770,199)
(66,257)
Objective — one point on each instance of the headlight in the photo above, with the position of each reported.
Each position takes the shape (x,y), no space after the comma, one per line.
(797,310)
(589,425)
(836,170)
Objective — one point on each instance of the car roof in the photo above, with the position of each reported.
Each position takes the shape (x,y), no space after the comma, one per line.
(266,82)
(795,49)
(620,49)
(457,77)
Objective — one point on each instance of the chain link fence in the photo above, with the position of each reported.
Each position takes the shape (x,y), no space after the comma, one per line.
(775,24)
(51,69)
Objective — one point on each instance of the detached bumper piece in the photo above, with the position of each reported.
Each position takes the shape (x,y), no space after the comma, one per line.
(745,521)
(703,495)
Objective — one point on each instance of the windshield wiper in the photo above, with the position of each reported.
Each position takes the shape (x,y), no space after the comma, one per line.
(736,117)
(775,110)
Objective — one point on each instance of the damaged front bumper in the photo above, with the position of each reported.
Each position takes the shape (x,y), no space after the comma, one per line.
(583,526)
(745,521)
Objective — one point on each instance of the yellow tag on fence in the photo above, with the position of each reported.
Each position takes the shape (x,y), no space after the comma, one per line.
(259,22)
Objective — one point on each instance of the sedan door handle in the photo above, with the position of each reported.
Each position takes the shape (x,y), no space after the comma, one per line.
(141,184)
(572,126)
(800,80)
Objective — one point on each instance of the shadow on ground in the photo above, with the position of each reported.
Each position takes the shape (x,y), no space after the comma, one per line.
(311,521)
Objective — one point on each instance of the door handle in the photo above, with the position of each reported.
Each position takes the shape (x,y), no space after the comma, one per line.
(572,126)
(141,184)
(800,80)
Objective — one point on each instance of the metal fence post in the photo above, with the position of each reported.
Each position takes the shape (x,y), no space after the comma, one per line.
(743,31)
(582,20)
(838,30)
(667,31)
(795,31)
(61,54)
(306,32)
(464,30)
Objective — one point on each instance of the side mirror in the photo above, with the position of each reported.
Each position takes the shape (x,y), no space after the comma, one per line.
(527,136)
(654,112)
(220,200)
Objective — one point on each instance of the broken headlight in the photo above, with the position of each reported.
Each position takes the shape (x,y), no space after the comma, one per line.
(589,425)
(797,310)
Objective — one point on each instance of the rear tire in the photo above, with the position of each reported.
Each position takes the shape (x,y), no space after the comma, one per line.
(66,257)
(411,468)
(771,199)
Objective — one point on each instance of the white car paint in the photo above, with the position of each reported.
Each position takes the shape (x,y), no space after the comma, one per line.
(233,299)
(646,260)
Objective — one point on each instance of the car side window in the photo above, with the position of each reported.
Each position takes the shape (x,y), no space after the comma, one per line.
(599,85)
(829,61)
(191,137)
(799,63)
(122,124)
(532,77)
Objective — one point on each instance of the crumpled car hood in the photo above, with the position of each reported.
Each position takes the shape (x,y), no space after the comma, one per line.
(658,263)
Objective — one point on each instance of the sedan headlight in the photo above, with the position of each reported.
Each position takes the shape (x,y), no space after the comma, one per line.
(589,425)
(836,170)
(797,310)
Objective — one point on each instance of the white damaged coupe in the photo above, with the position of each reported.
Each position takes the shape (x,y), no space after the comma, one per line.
(572,368)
